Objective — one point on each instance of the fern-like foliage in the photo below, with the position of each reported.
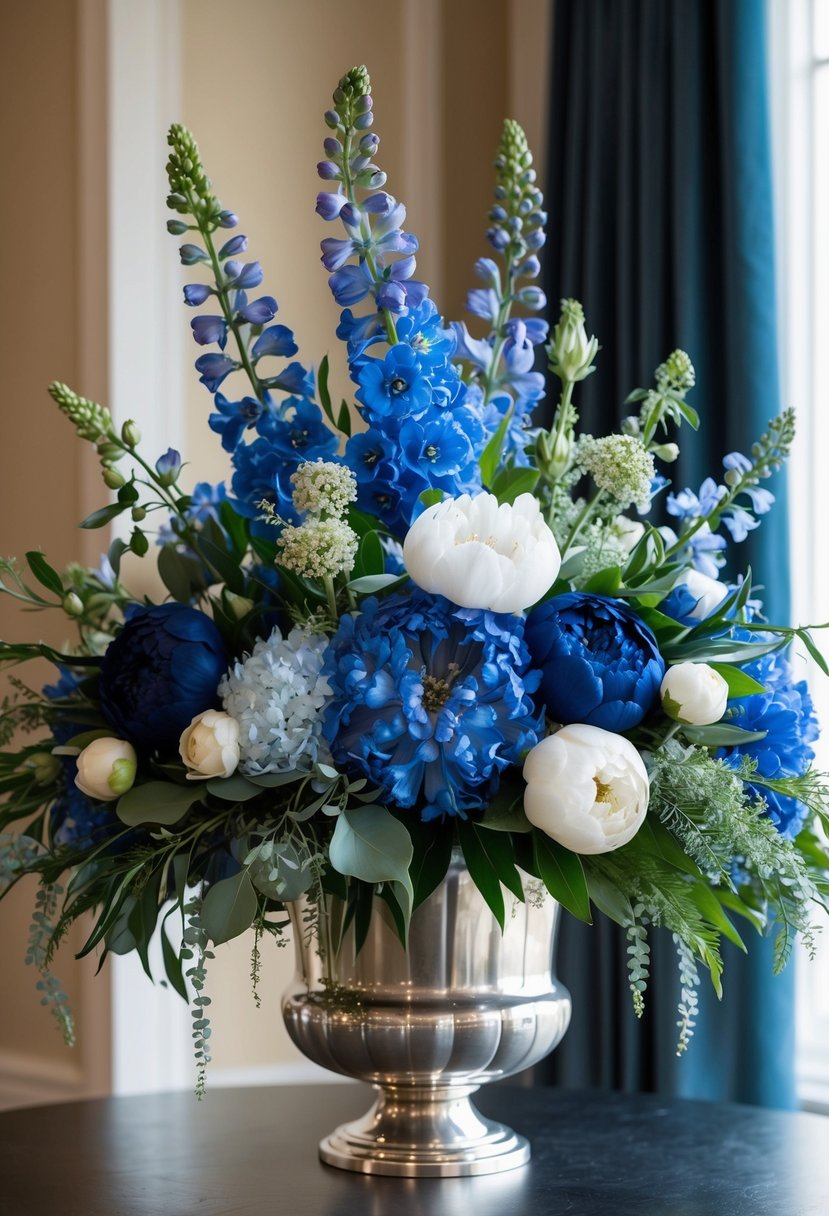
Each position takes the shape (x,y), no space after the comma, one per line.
(688,999)
(49,986)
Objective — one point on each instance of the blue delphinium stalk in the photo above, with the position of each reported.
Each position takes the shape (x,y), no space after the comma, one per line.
(430,701)
(500,366)
(422,434)
(735,504)
(289,430)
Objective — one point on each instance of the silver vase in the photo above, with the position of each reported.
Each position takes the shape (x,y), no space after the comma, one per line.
(427,1026)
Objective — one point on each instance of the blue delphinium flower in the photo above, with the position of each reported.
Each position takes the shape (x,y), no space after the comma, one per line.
(162,669)
(600,663)
(242,329)
(413,384)
(430,701)
(706,549)
(786,713)
(501,364)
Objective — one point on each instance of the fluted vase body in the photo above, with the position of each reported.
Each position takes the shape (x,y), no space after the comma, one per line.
(463,1004)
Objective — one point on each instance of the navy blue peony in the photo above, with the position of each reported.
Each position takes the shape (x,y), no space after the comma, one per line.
(162,669)
(599,662)
(430,701)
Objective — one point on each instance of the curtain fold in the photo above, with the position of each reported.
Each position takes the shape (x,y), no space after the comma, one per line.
(661,221)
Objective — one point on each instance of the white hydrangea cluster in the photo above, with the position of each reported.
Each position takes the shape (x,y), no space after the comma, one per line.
(277,695)
(321,487)
(319,548)
(620,465)
(603,547)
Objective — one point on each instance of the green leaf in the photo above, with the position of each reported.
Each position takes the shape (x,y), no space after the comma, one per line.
(116,551)
(103,516)
(482,871)
(497,848)
(285,874)
(607,897)
(236,526)
(157,802)
(344,419)
(87,737)
(509,483)
(171,959)
(605,582)
(180,574)
(370,844)
(376,582)
(43,572)
(432,855)
(721,735)
(322,389)
(233,789)
(229,907)
(506,819)
(563,875)
(226,566)
(809,642)
(370,559)
(429,498)
(491,456)
(740,684)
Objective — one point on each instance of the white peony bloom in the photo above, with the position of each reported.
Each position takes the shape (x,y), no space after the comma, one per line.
(277,695)
(694,693)
(482,555)
(708,592)
(106,769)
(587,788)
(209,746)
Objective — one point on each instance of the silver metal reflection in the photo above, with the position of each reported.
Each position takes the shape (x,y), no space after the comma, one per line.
(464,1004)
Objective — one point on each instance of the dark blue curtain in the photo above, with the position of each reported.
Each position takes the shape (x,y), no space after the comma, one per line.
(659,193)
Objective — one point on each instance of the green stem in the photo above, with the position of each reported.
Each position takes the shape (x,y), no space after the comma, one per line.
(331,595)
(583,517)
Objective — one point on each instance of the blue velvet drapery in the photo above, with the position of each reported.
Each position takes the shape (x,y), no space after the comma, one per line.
(660,202)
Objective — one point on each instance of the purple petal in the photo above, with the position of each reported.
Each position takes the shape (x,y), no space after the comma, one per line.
(275,340)
(195,294)
(329,204)
(207,330)
(260,311)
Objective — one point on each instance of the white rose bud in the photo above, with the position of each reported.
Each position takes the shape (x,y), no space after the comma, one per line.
(694,693)
(587,788)
(708,592)
(629,531)
(106,769)
(209,746)
(482,555)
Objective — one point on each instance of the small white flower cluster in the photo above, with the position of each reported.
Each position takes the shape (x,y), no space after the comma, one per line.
(620,465)
(603,548)
(319,548)
(277,694)
(676,373)
(323,488)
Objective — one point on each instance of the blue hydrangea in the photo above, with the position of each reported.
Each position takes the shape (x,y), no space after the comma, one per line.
(786,713)
(430,701)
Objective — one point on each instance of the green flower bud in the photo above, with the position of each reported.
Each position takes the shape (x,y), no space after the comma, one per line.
(73,604)
(122,776)
(110,453)
(43,767)
(113,479)
(139,543)
(554,455)
(667,452)
(138,513)
(571,352)
(237,605)
(130,434)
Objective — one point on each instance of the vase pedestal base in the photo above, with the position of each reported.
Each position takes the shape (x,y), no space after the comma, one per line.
(425,1133)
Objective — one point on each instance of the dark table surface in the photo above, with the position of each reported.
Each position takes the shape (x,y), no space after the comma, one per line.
(253,1152)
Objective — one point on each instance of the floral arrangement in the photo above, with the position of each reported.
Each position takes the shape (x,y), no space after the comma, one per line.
(414,626)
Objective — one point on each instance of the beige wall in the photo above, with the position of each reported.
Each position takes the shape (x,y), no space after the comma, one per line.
(255,78)
(45,478)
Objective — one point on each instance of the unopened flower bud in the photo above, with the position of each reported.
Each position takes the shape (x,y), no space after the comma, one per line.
(130,434)
(238,605)
(571,351)
(43,767)
(138,513)
(109,452)
(106,769)
(139,543)
(113,479)
(168,467)
(667,452)
(73,604)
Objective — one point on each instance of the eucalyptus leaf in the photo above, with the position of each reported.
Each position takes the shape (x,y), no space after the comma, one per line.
(233,789)
(284,875)
(370,844)
(157,802)
(229,908)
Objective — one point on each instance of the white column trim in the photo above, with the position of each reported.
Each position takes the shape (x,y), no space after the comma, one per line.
(150,1025)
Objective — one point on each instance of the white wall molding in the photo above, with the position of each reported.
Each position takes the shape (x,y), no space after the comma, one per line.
(151,1033)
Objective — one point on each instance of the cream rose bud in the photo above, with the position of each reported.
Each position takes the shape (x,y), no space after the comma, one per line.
(694,693)
(708,592)
(587,788)
(209,746)
(106,769)
(482,555)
